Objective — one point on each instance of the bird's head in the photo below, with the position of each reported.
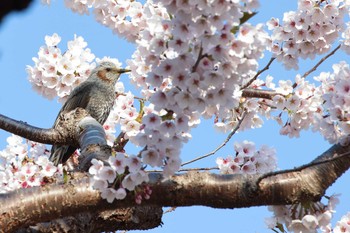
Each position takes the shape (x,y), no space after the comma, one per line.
(108,72)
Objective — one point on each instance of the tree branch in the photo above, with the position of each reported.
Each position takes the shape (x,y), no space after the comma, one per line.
(321,61)
(92,141)
(318,64)
(200,56)
(47,136)
(64,134)
(259,72)
(140,218)
(29,206)
(258,93)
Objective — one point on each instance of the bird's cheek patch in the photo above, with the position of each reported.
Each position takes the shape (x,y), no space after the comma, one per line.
(102,75)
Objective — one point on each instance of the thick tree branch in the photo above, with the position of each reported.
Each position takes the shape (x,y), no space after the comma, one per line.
(48,136)
(140,218)
(28,206)
(92,141)
(65,133)
(74,128)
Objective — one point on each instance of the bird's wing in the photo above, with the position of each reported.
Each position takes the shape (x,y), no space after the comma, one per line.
(79,97)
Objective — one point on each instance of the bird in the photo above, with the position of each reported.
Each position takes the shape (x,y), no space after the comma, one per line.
(96,95)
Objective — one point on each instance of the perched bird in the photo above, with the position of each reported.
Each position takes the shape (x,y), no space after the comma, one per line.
(96,95)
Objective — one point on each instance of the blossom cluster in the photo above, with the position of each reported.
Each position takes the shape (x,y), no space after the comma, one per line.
(192,59)
(343,225)
(124,114)
(248,160)
(323,108)
(126,18)
(55,73)
(335,91)
(163,138)
(122,173)
(309,31)
(184,85)
(204,82)
(306,218)
(24,165)
(302,104)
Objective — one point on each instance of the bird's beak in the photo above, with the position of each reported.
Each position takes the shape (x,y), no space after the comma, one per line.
(121,71)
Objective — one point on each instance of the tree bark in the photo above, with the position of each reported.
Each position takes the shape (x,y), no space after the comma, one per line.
(63,134)
(135,218)
(26,207)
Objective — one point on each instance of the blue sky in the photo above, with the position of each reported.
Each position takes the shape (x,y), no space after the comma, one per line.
(21,35)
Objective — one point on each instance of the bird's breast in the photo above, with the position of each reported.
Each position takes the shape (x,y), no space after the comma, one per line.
(100,104)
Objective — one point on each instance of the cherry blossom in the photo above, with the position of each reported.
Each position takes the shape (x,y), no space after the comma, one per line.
(109,194)
(310,30)
(21,167)
(192,61)
(57,72)
(248,160)
(303,218)
(343,225)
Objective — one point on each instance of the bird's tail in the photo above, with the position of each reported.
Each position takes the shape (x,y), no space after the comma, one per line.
(60,154)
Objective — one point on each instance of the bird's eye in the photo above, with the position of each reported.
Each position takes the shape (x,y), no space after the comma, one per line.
(108,69)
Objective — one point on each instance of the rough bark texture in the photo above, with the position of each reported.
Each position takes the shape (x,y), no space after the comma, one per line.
(307,183)
(65,133)
(256,93)
(135,218)
(92,141)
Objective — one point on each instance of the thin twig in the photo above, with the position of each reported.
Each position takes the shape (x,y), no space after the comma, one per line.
(318,64)
(200,56)
(259,72)
(120,142)
(187,169)
(135,97)
(222,145)
(154,171)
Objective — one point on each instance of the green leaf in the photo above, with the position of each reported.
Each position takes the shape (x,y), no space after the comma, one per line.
(280,227)
(246,17)
(168,115)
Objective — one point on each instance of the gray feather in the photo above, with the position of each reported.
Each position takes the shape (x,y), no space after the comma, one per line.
(96,96)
